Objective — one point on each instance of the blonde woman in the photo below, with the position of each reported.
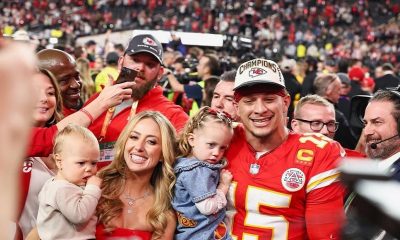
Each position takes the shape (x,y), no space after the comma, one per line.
(137,185)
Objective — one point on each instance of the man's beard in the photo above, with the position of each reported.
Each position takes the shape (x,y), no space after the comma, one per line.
(383,151)
(138,93)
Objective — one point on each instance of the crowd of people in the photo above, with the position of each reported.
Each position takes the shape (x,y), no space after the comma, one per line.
(231,158)
(363,30)
(172,142)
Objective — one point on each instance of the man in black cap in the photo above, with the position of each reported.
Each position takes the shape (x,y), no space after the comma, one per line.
(143,54)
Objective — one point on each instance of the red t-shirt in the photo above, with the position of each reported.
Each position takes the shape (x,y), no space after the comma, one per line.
(294,193)
(154,101)
(68,111)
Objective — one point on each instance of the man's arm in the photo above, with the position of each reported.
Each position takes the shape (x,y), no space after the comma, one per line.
(41,140)
(76,205)
(175,84)
(324,212)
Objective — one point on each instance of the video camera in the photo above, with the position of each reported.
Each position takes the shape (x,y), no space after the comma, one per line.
(372,208)
(358,104)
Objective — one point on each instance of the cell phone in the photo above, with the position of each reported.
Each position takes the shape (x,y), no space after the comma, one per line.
(126,75)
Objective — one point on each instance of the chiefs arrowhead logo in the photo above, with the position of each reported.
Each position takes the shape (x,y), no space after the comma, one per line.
(149,41)
(255,72)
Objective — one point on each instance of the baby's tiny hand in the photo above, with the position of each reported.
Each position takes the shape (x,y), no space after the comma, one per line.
(225,177)
(94,180)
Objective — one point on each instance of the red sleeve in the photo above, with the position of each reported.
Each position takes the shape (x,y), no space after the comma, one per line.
(324,212)
(93,97)
(179,120)
(41,141)
(324,203)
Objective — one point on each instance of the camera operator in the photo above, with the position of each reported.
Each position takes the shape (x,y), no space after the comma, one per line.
(207,70)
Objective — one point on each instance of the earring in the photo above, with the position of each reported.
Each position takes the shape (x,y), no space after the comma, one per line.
(51,121)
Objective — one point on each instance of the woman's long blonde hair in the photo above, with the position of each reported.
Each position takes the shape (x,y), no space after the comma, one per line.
(162,179)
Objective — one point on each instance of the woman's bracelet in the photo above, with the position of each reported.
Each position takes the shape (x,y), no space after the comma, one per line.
(87,114)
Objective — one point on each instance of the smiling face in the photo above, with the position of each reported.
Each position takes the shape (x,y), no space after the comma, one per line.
(143,147)
(70,84)
(46,104)
(76,163)
(149,69)
(379,125)
(263,114)
(63,66)
(210,141)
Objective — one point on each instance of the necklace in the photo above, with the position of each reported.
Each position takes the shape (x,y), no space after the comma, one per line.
(131,200)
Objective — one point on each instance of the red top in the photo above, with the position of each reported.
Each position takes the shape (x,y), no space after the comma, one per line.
(121,234)
(154,101)
(41,141)
(354,153)
(68,111)
(293,192)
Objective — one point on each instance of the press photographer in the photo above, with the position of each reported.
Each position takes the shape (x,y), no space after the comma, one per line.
(195,92)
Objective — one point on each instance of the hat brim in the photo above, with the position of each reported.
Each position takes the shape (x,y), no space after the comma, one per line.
(256,82)
(145,51)
(357,106)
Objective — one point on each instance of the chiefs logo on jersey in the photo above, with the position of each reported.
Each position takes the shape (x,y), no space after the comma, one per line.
(256,71)
(149,41)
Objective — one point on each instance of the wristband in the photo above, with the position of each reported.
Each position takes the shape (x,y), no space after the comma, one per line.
(87,114)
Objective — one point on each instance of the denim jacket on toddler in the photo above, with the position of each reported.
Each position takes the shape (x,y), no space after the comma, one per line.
(196,181)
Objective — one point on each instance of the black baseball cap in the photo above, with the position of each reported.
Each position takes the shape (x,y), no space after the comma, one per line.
(145,43)
(112,58)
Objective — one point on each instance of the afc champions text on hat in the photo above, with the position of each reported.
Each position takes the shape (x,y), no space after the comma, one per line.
(258,63)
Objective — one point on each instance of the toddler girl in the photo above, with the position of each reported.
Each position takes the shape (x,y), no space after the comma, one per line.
(199,195)
(67,202)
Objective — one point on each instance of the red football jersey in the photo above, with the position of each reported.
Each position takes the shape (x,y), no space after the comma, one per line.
(291,192)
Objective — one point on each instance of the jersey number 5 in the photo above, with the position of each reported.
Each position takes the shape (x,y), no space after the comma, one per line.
(257,197)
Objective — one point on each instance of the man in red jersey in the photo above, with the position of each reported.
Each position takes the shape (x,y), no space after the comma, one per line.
(285,185)
(143,54)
